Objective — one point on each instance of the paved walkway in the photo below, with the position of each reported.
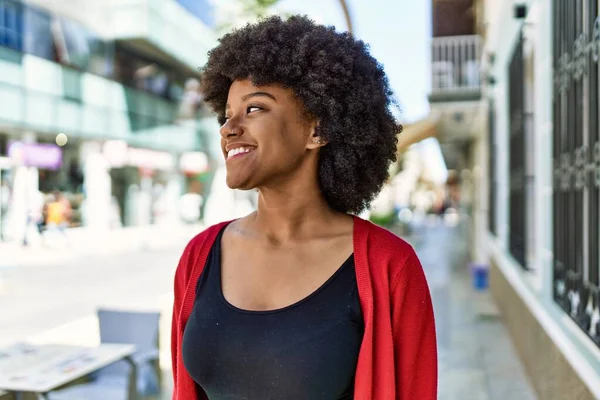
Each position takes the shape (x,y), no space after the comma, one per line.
(82,242)
(477,360)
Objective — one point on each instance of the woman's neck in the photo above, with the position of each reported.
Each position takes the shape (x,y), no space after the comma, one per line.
(295,211)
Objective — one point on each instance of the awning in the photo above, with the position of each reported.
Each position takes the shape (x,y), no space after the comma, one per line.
(418,131)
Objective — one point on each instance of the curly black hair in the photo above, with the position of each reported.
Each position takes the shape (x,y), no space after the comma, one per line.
(340,84)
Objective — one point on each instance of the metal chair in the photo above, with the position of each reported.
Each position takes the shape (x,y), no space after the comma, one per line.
(115,381)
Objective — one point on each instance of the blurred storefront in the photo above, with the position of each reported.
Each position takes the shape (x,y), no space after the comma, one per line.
(128,104)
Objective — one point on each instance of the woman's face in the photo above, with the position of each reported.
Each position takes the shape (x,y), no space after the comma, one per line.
(266,138)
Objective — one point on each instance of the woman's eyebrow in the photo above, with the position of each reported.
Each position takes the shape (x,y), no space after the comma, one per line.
(258,94)
(254,94)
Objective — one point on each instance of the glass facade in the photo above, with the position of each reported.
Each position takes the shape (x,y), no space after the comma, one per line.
(201,9)
(11,25)
(34,31)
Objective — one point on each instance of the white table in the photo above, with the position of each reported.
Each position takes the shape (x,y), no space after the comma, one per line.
(40,369)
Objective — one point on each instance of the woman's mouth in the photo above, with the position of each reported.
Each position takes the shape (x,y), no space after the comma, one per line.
(239,152)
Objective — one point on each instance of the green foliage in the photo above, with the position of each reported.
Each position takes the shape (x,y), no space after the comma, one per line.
(383,220)
(264,3)
(258,8)
(250,10)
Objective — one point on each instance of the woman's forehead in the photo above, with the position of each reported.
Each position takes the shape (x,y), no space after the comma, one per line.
(243,90)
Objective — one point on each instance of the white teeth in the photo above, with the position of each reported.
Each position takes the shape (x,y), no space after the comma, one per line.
(238,150)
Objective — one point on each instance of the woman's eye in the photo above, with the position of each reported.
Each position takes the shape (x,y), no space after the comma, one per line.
(251,109)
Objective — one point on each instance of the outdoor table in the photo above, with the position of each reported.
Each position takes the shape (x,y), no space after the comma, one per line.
(39,369)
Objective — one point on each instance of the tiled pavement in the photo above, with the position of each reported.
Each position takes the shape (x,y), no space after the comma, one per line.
(477,360)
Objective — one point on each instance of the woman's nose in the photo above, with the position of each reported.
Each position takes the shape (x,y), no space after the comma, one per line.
(230,128)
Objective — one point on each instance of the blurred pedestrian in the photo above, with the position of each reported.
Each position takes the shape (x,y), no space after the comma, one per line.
(58,215)
(301,300)
(190,101)
(36,209)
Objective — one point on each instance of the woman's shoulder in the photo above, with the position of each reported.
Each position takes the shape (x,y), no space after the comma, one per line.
(382,237)
(385,247)
(208,233)
(199,244)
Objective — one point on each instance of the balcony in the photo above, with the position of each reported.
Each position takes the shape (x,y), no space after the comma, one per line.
(47,97)
(455,74)
(161,29)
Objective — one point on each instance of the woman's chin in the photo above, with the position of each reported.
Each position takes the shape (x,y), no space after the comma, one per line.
(238,184)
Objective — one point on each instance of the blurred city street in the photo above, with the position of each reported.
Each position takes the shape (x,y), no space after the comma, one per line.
(57,304)
(40,298)
(111,161)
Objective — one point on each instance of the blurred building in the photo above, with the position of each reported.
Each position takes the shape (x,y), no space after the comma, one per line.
(515,91)
(120,79)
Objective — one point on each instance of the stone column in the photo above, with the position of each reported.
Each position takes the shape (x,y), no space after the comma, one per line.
(480,199)
(97,186)
(25,185)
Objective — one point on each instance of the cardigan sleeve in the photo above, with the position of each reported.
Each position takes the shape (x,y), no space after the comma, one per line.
(178,292)
(183,386)
(413,326)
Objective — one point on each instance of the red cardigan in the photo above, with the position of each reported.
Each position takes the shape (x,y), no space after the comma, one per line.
(398,355)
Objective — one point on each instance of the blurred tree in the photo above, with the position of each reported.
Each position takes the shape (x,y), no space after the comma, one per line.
(259,8)
(238,13)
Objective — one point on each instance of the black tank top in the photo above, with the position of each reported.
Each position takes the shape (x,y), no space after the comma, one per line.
(306,351)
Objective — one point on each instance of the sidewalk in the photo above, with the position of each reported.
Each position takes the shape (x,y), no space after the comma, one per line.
(88,242)
(477,359)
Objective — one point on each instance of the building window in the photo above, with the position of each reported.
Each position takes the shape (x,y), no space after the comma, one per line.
(11,24)
(80,48)
(517,153)
(576,201)
(492,179)
(37,34)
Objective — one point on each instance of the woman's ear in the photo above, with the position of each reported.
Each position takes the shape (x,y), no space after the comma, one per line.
(315,140)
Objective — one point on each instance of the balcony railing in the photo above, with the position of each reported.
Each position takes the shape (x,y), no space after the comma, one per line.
(455,70)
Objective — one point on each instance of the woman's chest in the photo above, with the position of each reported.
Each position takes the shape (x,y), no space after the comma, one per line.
(304,357)
(259,279)
(308,348)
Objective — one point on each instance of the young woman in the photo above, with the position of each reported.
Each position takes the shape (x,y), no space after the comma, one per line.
(301,300)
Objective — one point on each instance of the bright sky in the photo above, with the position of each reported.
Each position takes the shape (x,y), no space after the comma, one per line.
(398,32)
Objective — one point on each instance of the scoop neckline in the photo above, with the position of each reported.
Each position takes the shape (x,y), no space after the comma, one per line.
(314,293)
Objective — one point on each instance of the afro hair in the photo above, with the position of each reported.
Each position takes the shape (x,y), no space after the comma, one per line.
(341,86)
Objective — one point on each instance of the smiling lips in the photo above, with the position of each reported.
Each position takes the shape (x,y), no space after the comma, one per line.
(239,152)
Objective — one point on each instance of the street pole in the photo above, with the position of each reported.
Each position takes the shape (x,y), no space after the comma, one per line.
(347,15)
